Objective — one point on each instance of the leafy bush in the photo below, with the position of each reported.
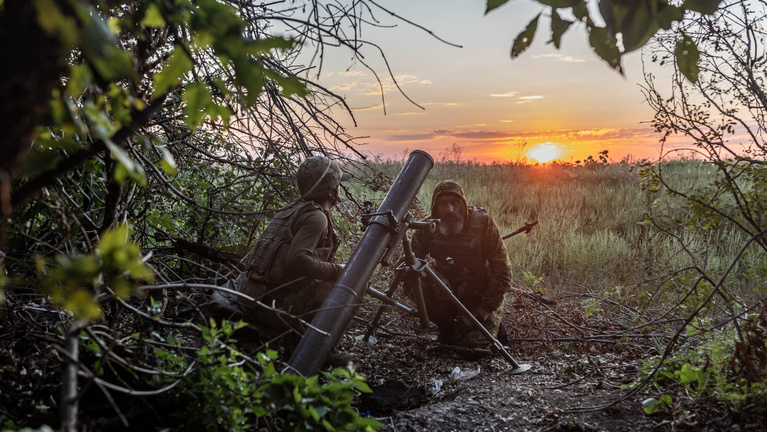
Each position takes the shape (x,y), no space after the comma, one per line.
(724,367)
(226,391)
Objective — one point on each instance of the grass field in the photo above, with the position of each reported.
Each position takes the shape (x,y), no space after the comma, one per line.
(593,237)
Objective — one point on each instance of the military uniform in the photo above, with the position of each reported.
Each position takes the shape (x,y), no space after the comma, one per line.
(290,267)
(476,267)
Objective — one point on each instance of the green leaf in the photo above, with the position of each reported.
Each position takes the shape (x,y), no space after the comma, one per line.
(83,305)
(197,98)
(525,38)
(79,76)
(638,25)
(100,45)
(265,45)
(667,14)
(493,4)
(54,22)
(129,167)
(605,47)
(178,64)
(251,76)
(169,223)
(651,406)
(703,6)
(687,56)
(558,28)
(580,10)
(153,17)
(168,163)
(687,374)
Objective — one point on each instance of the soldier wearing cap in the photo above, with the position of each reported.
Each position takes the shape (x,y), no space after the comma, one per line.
(291,266)
(471,257)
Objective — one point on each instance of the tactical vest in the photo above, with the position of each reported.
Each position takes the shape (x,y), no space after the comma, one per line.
(468,270)
(266,263)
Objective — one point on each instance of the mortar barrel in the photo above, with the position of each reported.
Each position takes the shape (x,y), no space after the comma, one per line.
(349,290)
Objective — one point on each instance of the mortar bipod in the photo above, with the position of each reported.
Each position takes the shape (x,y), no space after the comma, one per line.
(421,267)
(409,263)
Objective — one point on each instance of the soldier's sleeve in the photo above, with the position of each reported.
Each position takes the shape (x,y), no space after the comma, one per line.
(499,280)
(300,259)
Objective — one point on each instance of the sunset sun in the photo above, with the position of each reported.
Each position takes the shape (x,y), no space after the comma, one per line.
(544,152)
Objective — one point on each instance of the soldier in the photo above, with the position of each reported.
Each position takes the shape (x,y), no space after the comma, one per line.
(291,266)
(471,258)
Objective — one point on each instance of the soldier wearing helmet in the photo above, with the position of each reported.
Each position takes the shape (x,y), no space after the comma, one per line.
(291,267)
(471,257)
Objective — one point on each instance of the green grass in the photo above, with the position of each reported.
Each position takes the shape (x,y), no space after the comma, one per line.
(591,236)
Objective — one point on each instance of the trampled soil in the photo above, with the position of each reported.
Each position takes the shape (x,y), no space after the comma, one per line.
(420,384)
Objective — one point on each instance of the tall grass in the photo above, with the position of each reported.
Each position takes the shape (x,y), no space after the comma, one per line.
(592,235)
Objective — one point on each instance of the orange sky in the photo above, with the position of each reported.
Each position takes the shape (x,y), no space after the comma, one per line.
(566,102)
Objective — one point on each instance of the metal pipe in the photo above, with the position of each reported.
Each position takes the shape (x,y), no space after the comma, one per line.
(389,301)
(516,367)
(350,287)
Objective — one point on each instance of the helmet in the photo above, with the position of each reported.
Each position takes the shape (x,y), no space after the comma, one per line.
(447,187)
(318,175)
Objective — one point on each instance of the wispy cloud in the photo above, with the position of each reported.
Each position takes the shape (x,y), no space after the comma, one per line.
(411,113)
(449,104)
(528,99)
(505,95)
(561,57)
(367,108)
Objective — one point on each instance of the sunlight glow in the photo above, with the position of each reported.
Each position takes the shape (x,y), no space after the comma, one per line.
(544,152)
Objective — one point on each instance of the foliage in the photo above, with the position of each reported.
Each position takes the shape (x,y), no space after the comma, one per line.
(628,26)
(719,366)
(227,392)
(75,281)
(184,120)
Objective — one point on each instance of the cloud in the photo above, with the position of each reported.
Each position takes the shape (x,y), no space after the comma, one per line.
(412,137)
(410,113)
(367,108)
(561,57)
(527,99)
(506,95)
(449,104)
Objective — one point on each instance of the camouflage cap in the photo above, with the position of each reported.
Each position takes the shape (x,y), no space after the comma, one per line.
(318,175)
(446,187)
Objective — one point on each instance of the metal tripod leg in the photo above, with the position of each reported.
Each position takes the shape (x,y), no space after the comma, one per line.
(399,277)
(517,368)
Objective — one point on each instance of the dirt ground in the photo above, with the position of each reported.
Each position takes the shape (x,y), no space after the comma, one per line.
(420,384)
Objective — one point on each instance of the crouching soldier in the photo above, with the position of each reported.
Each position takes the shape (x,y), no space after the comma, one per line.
(291,267)
(471,257)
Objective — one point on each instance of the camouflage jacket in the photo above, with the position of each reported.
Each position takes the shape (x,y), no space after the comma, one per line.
(479,270)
